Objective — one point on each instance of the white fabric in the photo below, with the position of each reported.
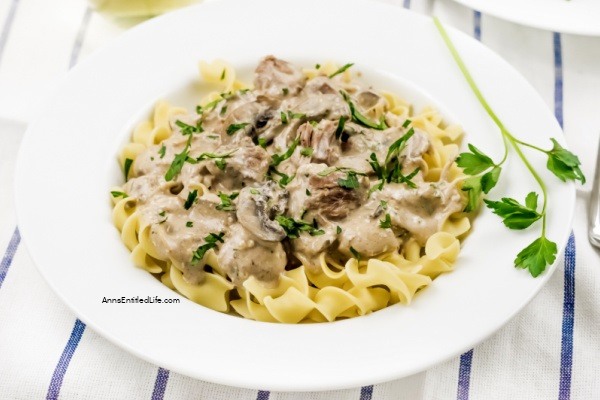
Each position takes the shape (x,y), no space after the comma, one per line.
(41,38)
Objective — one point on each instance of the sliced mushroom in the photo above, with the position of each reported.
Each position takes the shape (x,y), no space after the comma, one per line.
(257,208)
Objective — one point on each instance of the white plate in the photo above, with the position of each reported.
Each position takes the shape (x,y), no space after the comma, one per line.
(68,163)
(579,17)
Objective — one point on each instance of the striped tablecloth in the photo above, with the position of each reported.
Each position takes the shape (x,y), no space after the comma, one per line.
(551,350)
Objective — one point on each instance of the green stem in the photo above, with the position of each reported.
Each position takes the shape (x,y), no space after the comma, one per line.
(507,136)
(530,145)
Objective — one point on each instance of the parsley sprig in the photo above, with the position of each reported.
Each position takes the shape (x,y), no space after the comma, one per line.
(211,242)
(293,227)
(391,169)
(360,118)
(341,70)
(561,162)
(227,201)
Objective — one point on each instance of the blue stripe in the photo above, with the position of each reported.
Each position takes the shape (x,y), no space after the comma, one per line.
(160,384)
(406,4)
(558,80)
(79,38)
(464,376)
(477,25)
(65,359)
(366,392)
(9,254)
(263,395)
(10,17)
(568,322)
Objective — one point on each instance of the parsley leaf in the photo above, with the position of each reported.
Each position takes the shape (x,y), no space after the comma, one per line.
(489,179)
(285,91)
(340,128)
(293,228)
(385,223)
(227,201)
(277,159)
(211,242)
(223,74)
(177,164)
(162,151)
(350,182)
(564,164)
(341,70)
(360,118)
(262,142)
(190,199)
(285,179)
(474,162)
(307,151)
(219,158)
(355,253)
(399,145)
(187,129)
(514,214)
(189,224)
(233,128)
(472,186)
(338,229)
(284,117)
(118,194)
(127,167)
(536,256)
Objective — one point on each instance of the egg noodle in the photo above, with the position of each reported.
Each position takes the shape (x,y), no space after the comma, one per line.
(337,287)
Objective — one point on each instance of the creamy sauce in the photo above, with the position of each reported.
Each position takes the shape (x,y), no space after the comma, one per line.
(276,210)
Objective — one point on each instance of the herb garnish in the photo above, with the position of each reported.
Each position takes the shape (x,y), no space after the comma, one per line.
(338,229)
(284,117)
(350,181)
(189,224)
(308,192)
(262,142)
(162,151)
(219,158)
(233,128)
(340,128)
(307,151)
(360,118)
(227,201)
(187,129)
(285,91)
(293,228)
(561,162)
(317,66)
(211,242)
(386,222)
(190,199)
(355,253)
(223,74)
(118,194)
(277,159)
(127,167)
(341,70)
(177,164)
(285,179)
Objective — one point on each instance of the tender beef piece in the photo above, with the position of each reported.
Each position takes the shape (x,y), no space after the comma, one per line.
(330,199)
(321,139)
(248,163)
(273,75)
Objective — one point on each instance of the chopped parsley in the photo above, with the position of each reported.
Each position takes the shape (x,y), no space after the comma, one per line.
(285,91)
(341,70)
(293,115)
(211,242)
(355,253)
(127,167)
(350,181)
(285,179)
(306,151)
(223,74)
(386,222)
(163,214)
(177,164)
(219,158)
(187,129)
(340,128)
(190,199)
(338,229)
(223,110)
(118,194)
(406,123)
(162,151)
(293,228)
(360,118)
(233,128)
(189,224)
(277,159)
(317,66)
(262,142)
(284,117)
(308,192)
(227,201)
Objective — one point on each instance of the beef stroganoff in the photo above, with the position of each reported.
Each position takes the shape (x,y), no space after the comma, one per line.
(308,196)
